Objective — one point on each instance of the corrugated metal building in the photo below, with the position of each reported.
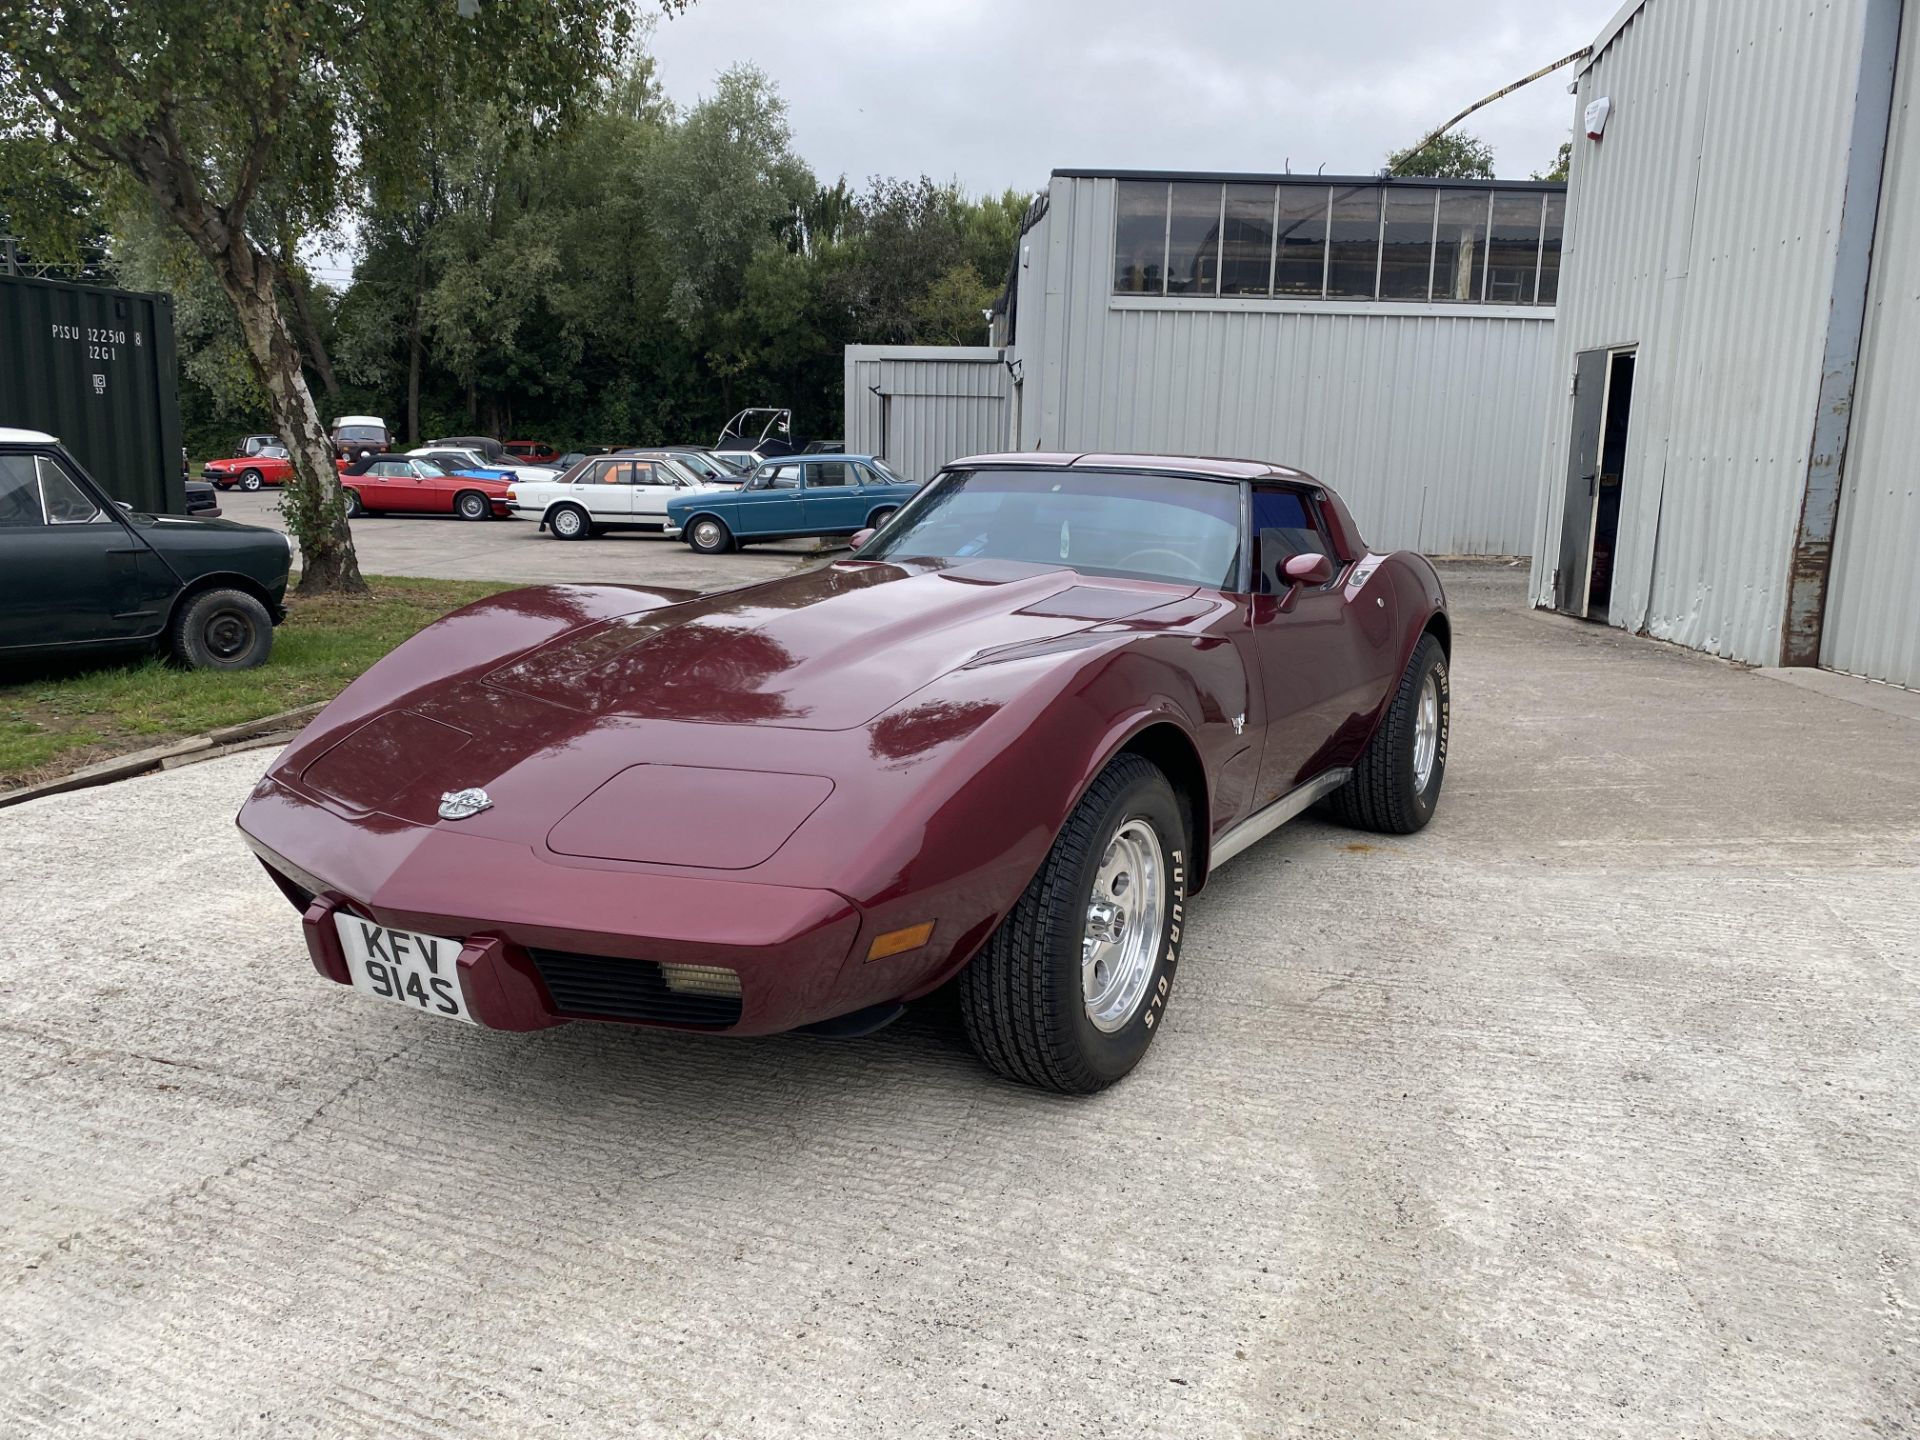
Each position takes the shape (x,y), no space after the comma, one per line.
(1392,337)
(1730,452)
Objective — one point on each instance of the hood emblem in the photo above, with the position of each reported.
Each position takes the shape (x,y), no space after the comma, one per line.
(463,804)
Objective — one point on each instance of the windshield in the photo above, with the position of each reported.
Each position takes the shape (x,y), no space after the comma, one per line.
(703,467)
(880,467)
(431,467)
(1099,522)
(360,432)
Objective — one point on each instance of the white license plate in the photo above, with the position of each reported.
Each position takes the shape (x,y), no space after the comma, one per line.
(418,971)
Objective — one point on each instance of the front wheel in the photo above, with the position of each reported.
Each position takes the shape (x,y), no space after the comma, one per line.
(221,630)
(1396,785)
(1067,993)
(471,505)
(250,480)
(710,536)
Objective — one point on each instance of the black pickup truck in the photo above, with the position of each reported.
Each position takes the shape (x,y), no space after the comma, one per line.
(80,573)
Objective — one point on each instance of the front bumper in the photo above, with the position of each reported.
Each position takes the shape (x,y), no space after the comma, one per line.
(521,912)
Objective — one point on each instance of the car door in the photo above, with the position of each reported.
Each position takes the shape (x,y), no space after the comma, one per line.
(612,498)
(383,485)
(769,506)
(832,499)
(654,484)
(71,571)
(1319,672)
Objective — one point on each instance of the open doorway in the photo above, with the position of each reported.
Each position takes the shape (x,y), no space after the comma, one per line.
(1596,473)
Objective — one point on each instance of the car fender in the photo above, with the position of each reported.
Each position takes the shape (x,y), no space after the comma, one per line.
(991,763)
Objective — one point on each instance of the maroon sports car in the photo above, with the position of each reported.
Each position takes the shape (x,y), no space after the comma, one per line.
(1005,740)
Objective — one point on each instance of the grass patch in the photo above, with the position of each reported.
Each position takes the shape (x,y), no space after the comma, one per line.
(54,720)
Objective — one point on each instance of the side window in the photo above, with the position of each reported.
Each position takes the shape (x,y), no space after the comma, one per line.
(830,473)
(388,468)
(597,474)
(19,493)
(1284,525)
(652,474)
(626,472)
(781,477)
(66,502)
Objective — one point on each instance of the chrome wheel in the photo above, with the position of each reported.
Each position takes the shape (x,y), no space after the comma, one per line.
(1426,733)
(1125,916)
(706,534)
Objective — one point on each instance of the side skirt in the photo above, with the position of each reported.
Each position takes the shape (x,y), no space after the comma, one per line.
(1263,823)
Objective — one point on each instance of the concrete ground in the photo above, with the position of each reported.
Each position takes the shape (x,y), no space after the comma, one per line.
(1587,1112)
(442,547)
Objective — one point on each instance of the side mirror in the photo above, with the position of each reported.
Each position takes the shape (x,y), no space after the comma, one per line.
(860,537)
(1309,569)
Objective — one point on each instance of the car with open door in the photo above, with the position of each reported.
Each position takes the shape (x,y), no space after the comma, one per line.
(387,484)
(1005,743)
(791,496)
(81,574)
(627,491)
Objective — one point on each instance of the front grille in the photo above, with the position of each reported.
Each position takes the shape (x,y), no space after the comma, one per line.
(604,987)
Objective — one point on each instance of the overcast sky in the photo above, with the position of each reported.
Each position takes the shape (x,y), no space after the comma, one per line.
(998,93)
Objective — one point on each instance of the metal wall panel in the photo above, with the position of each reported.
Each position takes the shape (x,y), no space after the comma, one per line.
(918,407)
(1700,230)
(1424,418)
(1873,606)
(95,367)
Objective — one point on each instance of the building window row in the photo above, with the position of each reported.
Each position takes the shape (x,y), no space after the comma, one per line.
(1338,242)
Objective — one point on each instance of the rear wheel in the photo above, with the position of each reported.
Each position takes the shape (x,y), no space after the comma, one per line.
(355,506)
(250,480)
(710,536)
(1066,994)
(1396,785)
(221,630)
(570,522)
(880,517)
(471,505)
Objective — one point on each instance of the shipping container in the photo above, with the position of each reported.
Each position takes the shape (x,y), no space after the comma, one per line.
(95,366)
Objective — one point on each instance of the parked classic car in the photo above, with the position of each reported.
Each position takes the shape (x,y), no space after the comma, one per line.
(419,485)
(794,495)
(355,436)
(608,492)
(532,452)
(81,573)
(266,466)
(573,457)
(1005,741)
(202,499)
(471,461)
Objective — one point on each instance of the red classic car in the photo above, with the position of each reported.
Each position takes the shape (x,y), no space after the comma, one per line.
(533,452)
(268,465)
(1006,740)
(410,485)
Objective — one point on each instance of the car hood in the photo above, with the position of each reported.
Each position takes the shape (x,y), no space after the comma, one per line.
(826,649)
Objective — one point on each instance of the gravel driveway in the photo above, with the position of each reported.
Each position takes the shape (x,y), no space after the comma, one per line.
(1587,1112)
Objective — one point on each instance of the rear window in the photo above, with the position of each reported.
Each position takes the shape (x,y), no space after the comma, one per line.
(1098,522)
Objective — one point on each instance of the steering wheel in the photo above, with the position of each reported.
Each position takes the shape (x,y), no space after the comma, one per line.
(1180,562)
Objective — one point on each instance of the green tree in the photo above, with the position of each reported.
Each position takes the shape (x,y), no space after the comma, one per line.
(202,104)
(1562,163)
(1455,155)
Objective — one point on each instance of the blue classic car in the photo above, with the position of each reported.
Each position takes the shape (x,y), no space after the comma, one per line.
(791,495)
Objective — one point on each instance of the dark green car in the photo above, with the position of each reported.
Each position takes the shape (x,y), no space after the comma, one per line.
(79,573)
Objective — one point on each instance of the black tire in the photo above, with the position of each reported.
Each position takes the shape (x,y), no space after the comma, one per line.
(1385,793)
(472,505)
(570,522)
(709,535)
(356,507)
(1023,999)
(221,630)
(881,516)
(250,480)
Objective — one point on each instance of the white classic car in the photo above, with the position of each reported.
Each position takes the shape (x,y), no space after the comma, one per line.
(606,492)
